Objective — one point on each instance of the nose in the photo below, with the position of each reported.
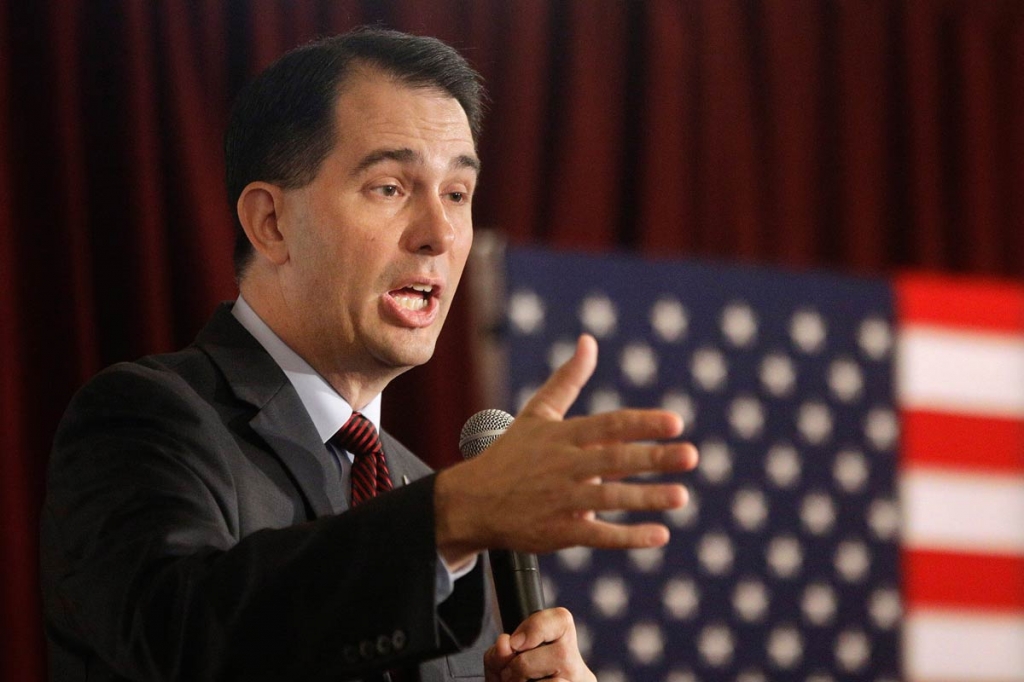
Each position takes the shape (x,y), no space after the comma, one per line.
(431,230)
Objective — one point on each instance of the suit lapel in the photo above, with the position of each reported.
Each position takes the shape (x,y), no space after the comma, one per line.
(404,466)
(281,419)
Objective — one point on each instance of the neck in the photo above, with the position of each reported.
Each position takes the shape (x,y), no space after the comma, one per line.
(357,382)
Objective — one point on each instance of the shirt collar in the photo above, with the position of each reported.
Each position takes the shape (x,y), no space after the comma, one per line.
(328,410)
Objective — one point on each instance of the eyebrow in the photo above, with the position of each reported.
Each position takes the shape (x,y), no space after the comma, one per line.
(406,155)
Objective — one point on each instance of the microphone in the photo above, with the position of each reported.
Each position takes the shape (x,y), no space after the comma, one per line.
(516,574)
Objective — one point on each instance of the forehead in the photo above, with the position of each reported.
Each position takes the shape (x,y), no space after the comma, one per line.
(373,109)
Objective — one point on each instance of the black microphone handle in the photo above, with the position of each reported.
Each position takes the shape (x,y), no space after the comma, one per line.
(517,584)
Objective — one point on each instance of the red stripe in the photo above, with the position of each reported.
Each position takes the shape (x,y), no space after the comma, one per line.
(362,489)
(982,305)
(987,444)
(947,579)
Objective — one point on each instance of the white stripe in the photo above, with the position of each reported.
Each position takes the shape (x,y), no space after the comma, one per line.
(948,645)
(957,371)
(964,512)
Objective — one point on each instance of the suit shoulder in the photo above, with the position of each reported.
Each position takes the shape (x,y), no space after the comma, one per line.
(159,378)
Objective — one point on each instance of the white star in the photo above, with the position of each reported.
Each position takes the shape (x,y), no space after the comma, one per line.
(610,596)
(746,417)
(739,325)
(814,421)
(819,603)
(681,598)
(785,556)
(785,646)
(750,509)
(715,553)
(526,312)
(598,315)
(818,513)
(575,558)
(778,374)
(560,352)
(716,645)
(681,404)
(885,608)
(639,364)
(782,465)
(715,461)
(882,428)
(845,379)
(646,643)
(852,560)
(884,518)
(875,338)
(647,559)
(852,650)
(709,369)
(669,319)
(807,329)
(850,470)
(750,600)
(604,400)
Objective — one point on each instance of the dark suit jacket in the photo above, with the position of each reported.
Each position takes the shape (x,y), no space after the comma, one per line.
(195,529)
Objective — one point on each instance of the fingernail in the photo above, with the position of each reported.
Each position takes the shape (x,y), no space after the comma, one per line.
(517,641)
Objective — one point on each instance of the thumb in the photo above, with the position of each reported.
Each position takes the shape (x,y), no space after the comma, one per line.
(560,391)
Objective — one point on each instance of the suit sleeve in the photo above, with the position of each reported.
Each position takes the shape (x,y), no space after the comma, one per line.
(145,565)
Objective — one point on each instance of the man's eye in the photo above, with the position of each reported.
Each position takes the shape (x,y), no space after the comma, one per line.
(459,197)
(388,190)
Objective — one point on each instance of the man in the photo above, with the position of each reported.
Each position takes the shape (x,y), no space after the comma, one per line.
(210,514)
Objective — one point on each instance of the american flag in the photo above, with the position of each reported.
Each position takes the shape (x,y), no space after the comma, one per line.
(858,512)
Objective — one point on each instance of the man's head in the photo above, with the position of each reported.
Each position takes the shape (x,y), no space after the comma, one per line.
(282,124)
(359,224)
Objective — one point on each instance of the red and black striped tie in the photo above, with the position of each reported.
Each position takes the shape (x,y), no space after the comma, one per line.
(370,475)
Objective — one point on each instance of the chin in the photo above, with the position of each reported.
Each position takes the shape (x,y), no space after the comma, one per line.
(408,354)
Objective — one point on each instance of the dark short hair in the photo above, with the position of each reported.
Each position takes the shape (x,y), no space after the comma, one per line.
(282,125)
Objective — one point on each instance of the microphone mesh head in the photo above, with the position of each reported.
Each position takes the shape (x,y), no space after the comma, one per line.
(482,429)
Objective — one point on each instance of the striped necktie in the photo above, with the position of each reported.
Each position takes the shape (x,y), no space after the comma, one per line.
(370,475)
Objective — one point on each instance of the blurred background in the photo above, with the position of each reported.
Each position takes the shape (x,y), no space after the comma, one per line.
(863,137)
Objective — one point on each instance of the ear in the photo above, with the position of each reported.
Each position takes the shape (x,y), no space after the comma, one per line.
(259,211)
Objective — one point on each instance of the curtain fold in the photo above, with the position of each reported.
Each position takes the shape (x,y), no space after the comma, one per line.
(859,135)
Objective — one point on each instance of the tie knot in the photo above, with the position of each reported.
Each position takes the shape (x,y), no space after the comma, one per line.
(358,436)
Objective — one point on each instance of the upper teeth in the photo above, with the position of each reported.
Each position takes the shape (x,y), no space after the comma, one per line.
(425,288)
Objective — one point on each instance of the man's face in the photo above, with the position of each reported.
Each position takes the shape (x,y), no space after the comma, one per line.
(378,241)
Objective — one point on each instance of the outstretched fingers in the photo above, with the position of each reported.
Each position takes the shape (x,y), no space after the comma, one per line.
(560,391)
(621,460)
(601,534)
(623,426)
(630,496)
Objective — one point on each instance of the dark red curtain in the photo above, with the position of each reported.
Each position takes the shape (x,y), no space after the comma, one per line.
(861,135)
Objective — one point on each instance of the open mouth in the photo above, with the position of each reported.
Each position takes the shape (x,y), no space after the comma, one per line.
(414,297)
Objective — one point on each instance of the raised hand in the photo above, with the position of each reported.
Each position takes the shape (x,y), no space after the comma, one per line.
(537,487)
